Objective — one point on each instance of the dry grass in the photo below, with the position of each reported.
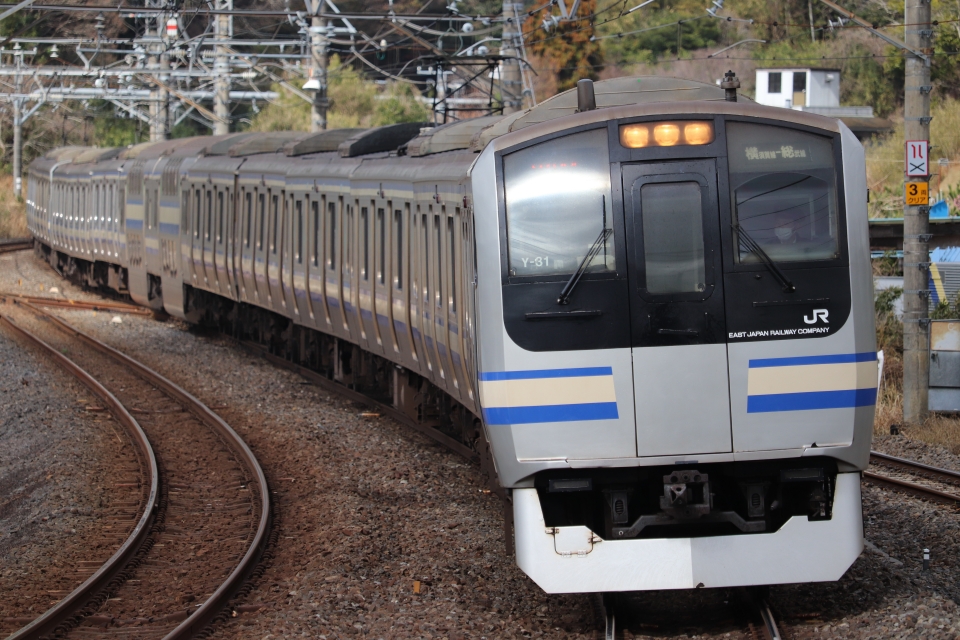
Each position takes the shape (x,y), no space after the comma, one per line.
(13,213)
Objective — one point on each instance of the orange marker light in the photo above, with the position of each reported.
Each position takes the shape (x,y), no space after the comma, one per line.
(634,136)
(698,133)
(666,135)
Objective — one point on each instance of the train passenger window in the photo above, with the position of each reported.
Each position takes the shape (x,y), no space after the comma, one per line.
(275,215)
(382,225)
(451,242)
(316,232)
(263,216)
(196,214)
(438,294)
(558,205)
(332,254)
(209,224)
(783,192)
(219,217)
(398,234)
(673,237)
(299,208)
(365,221)
(248,209)
(184,212)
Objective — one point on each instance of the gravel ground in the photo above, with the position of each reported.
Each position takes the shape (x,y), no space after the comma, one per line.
(58,467)
(372,512)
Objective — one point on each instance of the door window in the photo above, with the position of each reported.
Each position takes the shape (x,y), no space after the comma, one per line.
(673,237)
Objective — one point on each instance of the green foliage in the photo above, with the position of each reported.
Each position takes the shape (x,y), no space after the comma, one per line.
(696,31)
(399,104)
(944,311)
(889,327)
(888,265)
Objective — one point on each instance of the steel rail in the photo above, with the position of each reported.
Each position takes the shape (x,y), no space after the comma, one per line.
(943,475)
(9,246)
(53,617)
(66,303)
(204,614)
(770,629)
(917,490)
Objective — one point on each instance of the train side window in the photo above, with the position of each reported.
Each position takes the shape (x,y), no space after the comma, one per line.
(437,231)
(209,220)
(784,194)
(248,209)
(263,217)
(558,204)
(398,262)
(365,221)
(332,226)
(426,259)
(184,212)
(316,232)
(382,266)
(299,208)
(220,198)
(274,222)
(452,251)
(196,213)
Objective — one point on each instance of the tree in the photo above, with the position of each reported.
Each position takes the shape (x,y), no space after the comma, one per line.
(567,46)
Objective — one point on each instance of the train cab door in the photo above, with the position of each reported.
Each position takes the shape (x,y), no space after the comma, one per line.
(678,336)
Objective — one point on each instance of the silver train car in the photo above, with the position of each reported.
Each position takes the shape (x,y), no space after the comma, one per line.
(651,321)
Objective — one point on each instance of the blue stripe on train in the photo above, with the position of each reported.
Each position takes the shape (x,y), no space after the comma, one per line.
(837,358)
(490,376)
(811,400)
(552,413)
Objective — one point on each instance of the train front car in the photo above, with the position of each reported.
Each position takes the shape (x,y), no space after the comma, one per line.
(677,352)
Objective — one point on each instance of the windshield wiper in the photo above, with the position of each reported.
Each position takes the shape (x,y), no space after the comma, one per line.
(600,242)
(754,247)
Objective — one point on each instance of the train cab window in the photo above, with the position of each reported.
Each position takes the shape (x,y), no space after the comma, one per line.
(784,194)
(332,254)
(558,205)
(398,234)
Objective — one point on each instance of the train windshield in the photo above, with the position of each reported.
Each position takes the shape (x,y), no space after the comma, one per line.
(558,206)
(784,194)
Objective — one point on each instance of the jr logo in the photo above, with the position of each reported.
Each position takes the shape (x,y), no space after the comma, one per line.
(818,314)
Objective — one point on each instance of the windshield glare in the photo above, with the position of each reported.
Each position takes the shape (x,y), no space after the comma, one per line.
(557,203)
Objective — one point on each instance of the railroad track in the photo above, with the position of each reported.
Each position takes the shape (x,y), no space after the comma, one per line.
(912,468)
(206,526)
(68,303)
(16,244)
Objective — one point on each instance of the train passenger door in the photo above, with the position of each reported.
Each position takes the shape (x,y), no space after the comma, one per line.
(678,334)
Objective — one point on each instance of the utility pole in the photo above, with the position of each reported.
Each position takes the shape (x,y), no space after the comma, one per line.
(156,62)
(511,82)
(916,217)
(221,70)
(18,131)
(318,70)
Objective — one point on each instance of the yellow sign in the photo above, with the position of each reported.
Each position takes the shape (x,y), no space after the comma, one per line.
(918,193)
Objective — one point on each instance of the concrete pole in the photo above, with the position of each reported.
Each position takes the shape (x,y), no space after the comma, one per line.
(916,222)
(18,149)
(318,61)
(511,83)
(221,70)
(163,111)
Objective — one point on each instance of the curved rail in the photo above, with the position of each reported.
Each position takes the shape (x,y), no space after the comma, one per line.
(58,613)
(215,603)
(16,244)
(924,470)
(66,303)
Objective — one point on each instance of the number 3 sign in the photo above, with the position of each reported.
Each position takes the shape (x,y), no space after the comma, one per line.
(916,154)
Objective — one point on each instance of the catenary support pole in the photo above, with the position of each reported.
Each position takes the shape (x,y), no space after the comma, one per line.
(18,148)
(221,70)
(318,61)
(510,80)
(916,220)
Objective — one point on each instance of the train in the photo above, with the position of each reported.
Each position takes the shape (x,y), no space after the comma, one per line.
(645,304)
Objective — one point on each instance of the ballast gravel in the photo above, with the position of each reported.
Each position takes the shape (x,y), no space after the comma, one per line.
(383,534)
